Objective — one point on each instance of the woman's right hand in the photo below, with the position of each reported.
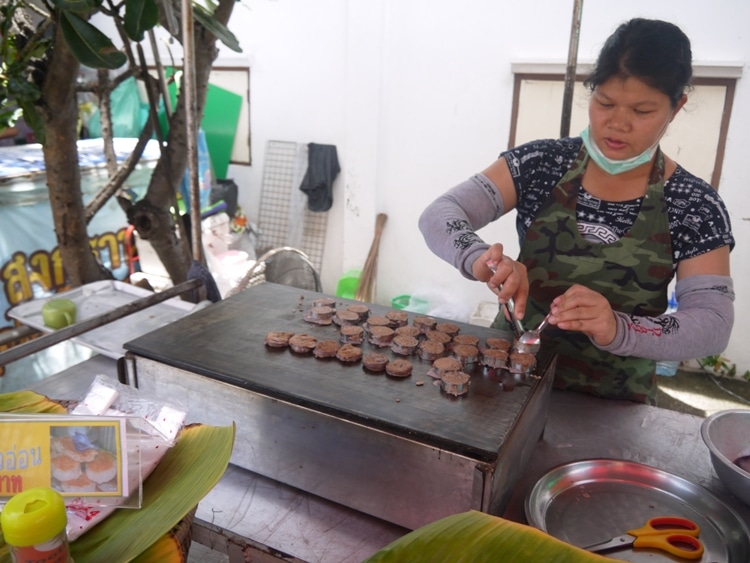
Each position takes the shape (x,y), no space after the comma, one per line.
(504,276)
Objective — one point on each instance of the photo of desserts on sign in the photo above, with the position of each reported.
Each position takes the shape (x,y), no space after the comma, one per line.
(387,342)
(84,460)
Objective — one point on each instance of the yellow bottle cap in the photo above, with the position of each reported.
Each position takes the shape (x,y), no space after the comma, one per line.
(33,516)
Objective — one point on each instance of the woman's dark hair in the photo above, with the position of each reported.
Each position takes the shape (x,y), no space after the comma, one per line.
(653,51)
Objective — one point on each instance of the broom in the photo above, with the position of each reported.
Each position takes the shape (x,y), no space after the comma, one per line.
(367,279)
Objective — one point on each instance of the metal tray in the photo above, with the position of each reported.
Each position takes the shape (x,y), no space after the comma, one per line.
(97,298)
(585,502)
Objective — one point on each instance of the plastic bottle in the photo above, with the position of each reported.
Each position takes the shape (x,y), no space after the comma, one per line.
(669,367)
(33,524)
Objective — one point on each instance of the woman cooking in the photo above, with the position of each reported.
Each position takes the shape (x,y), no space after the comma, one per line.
(605,221)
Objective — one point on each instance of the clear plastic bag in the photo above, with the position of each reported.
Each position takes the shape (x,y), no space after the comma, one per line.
(111,398)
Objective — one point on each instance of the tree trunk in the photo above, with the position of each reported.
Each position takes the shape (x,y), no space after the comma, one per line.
(151,215)
(60,115)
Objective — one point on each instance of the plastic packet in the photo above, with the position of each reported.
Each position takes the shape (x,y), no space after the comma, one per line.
(111,398)
(159,424)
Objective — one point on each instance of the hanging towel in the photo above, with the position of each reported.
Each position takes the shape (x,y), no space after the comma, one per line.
(199,271)
(322,169)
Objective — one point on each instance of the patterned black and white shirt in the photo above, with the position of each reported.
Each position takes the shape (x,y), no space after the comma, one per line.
(698,219)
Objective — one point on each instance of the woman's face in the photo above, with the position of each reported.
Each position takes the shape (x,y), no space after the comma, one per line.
(628,117)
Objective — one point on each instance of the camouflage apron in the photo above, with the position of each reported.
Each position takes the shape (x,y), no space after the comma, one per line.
(633,273)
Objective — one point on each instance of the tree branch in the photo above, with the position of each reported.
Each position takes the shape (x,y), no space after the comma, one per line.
(93,86)
(37,9)
(34,39)
(127,44)
(105,119)
(116,181)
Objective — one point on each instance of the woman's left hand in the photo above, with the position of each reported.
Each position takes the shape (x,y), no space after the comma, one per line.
(586,311)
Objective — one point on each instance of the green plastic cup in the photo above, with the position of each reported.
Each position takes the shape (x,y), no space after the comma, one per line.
(59,313)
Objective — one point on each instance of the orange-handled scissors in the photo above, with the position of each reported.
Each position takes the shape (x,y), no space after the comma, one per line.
(675,535)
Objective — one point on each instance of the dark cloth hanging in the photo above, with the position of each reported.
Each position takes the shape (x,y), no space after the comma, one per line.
(322,169)
(199,271)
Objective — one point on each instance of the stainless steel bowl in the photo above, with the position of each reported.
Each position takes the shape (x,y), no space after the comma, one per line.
(727,435)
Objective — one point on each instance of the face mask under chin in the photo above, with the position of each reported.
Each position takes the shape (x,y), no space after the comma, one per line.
(610,165)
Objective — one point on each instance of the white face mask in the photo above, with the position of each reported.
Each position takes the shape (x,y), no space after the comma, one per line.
(612,166)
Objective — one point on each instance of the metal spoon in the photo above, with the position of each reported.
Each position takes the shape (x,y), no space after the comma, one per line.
(530,341)
(516,325)
(527,340)
(518,330)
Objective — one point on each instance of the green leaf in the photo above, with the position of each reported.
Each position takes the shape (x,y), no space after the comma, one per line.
(140,16)
(476,537)
(186,473)
(89,45)
(220,31)
(34,120)
(78,6)
(165,550)
(27,402)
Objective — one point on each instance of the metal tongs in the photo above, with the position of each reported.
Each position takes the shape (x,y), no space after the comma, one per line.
(528,341)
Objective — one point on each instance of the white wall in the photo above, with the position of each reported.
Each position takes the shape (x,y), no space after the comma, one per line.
(416,94)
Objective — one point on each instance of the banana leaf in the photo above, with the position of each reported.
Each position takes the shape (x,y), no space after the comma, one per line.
(172,547)
(476,537)
(165,550)
(29,402)
(187,472)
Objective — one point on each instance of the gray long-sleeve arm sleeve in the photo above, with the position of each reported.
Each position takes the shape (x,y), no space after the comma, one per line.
(449,223)
(700,327)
